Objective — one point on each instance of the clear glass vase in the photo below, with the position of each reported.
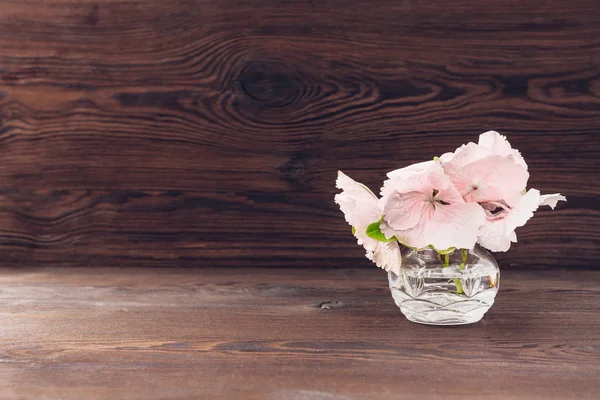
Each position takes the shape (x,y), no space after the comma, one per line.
(445,289)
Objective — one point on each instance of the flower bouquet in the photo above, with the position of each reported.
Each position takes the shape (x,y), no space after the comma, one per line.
(430,226)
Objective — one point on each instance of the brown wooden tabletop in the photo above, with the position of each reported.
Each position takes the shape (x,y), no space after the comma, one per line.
(287,334)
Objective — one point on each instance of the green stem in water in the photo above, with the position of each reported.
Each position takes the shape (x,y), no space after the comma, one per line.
(464,256)
(446,263)
(459,288)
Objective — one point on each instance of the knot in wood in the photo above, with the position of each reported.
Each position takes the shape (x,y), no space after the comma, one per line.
(270,83)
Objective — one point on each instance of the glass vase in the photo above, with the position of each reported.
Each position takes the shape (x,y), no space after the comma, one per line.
(445,289)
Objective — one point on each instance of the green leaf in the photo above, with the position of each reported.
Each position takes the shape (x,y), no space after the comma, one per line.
(449,250)
(374,232)
(410,247)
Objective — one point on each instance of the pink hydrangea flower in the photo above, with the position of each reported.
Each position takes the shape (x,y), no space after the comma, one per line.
(498,232)
(487,171)
(474,195)
(421,207)
(361,208)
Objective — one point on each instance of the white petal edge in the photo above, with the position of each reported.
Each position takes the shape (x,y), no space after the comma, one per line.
(498,235)
(523,210)
(493,236)
(498,144)
(344,182)
(411,170)
(359,205)
(387,256)
(551,200)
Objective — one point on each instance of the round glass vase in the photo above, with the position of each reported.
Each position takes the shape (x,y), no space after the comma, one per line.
(445,289)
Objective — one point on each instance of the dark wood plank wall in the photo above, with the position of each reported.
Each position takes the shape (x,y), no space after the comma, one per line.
(209,132)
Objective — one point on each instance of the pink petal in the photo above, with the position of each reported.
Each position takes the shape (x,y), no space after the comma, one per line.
(359,205)
(499,145)
(446,157)
(465,154)
(407,203)
(447,192)
(348,184)
(387,256)
(497,235)
(455,226)
(413,169)
(488,171)
(365,240)
(523,210)
(493,236)
(492,178)
(454,165)
(410,237)
(404,211)
(422,180)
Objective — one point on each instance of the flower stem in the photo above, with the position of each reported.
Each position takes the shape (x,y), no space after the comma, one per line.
(459,288)
(464,256)
(446,263)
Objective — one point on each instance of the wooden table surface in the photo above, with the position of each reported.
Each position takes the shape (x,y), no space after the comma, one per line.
(287,334)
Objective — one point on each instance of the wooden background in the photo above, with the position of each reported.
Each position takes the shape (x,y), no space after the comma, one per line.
(209,132)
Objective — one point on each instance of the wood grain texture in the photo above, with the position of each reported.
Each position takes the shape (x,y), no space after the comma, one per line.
(108,333)
(209,132)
